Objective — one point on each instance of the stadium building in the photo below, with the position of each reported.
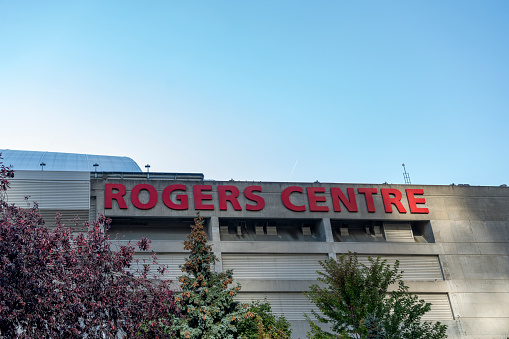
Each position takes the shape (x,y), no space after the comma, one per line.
(452,241)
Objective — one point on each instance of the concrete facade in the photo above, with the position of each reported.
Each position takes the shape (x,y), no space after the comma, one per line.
(456,254)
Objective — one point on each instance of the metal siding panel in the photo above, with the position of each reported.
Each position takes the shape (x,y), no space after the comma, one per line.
(51,190)
(414,267)
(51,176)
(170,260)
(67,218)
(273,266)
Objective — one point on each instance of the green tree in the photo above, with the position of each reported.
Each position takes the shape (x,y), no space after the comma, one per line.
(206,302)
(356,302)
(264,324)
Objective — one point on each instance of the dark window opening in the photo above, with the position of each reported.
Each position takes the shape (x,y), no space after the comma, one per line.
(270,230)
(153,228)
(382,231)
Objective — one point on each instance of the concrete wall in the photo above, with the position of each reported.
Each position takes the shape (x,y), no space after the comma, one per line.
(469,226)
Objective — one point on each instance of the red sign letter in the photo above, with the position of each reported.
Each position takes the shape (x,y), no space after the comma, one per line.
(223,197)
(182,198)
(136,199)
(413,201)
(118,196)
(286,199)
(199,197)
(396,200)
(368,194)
(248,193)
(313,199)
(350,203)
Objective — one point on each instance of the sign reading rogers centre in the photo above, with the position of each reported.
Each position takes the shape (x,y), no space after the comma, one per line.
(176,197)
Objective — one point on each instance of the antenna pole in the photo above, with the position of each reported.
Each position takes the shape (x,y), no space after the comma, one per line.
(406,175)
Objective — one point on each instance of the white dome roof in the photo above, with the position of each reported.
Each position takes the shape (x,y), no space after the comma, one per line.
(55,161)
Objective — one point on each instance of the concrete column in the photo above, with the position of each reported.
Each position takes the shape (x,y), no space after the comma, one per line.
(99,196)
(216,239)
(214,229)
(326,230)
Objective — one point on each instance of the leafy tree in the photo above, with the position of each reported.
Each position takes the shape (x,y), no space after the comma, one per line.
(264,324)
(356,303)
(206,302)
(5,174)
(56,284)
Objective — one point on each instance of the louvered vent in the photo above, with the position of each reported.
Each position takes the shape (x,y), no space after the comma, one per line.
(294,305)
(291,305)
(440,307)
(414,267)
(398,233)
(273,266)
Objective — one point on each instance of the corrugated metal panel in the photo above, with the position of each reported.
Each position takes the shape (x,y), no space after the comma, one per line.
(171,260)
(414,267)
(440,307)
(291,305)
(52,190)
(51,176)
(67,218)
(273,266)
(398,233)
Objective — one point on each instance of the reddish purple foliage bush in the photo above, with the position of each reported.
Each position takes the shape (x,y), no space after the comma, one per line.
(56,284)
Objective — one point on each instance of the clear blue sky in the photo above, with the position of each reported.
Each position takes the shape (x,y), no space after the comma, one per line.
(335,91)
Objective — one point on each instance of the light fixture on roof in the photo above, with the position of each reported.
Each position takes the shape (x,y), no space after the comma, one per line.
(95,169)
(42,164)
(147,166)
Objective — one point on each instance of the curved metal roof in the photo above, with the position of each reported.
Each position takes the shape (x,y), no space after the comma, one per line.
(55,161)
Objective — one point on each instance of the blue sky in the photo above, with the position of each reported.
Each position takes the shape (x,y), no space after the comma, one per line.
(335,91)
